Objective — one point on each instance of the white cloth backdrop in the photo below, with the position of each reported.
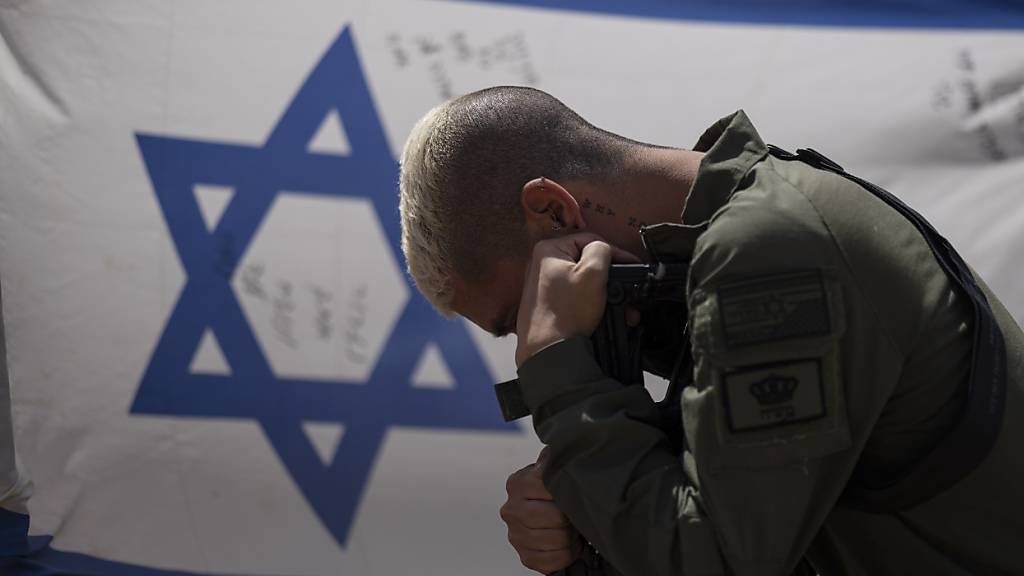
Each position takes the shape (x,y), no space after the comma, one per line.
(216,363)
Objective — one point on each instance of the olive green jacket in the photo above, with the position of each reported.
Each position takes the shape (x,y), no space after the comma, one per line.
(829,347)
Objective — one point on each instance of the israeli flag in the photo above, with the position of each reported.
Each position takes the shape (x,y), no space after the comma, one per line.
(214,360)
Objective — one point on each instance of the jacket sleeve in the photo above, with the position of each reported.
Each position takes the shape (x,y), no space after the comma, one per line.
(611,468)
(778,330)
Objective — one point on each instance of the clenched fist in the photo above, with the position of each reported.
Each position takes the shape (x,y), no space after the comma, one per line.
(537,529)
(564,291)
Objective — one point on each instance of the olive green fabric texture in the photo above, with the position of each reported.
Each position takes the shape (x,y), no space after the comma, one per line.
(829,348)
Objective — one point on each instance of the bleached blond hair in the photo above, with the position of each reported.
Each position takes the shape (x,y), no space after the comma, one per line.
(420,192)
(462,169)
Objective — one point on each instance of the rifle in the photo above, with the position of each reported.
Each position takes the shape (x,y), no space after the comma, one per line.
(619,348)
(623,351)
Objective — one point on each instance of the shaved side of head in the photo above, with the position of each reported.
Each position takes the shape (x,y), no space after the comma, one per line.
(463,168)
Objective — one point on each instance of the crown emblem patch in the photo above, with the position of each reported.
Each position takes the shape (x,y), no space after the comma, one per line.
(773,395)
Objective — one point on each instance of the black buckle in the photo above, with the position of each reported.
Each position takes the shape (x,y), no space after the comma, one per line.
(780,153)
(815,158)
(806,155)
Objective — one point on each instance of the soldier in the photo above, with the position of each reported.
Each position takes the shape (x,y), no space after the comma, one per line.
(849,378)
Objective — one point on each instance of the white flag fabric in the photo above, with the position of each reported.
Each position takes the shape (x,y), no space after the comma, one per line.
(215,361)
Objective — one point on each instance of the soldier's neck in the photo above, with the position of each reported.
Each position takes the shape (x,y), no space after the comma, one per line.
(655,191)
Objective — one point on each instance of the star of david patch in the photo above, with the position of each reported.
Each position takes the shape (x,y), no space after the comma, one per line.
(779,307)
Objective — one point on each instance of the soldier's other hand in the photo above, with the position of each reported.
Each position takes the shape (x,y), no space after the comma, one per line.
(564,291)
(537,529)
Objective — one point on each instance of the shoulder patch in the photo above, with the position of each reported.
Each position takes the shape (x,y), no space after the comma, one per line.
(773,308)
(773,395)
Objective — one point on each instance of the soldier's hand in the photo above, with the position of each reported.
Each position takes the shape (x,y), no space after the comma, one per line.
(564,291)
(537,529)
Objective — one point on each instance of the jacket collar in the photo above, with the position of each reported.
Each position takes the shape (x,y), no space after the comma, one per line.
(731,148)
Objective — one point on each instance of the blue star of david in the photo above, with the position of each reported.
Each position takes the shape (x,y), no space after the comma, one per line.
(252,391)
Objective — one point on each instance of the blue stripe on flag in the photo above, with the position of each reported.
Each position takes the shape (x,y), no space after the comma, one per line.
(45,561)
(983,14)
(13,533)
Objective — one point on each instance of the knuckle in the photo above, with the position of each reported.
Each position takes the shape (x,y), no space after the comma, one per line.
(534,471)
(588,272)
(591,266)
(514,481)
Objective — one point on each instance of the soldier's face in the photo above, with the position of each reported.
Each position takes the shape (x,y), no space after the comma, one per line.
(493,304)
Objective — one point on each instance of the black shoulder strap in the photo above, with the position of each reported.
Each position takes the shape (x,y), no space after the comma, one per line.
(970,441)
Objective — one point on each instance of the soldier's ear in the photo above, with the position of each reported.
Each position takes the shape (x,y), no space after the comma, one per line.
(549,206)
